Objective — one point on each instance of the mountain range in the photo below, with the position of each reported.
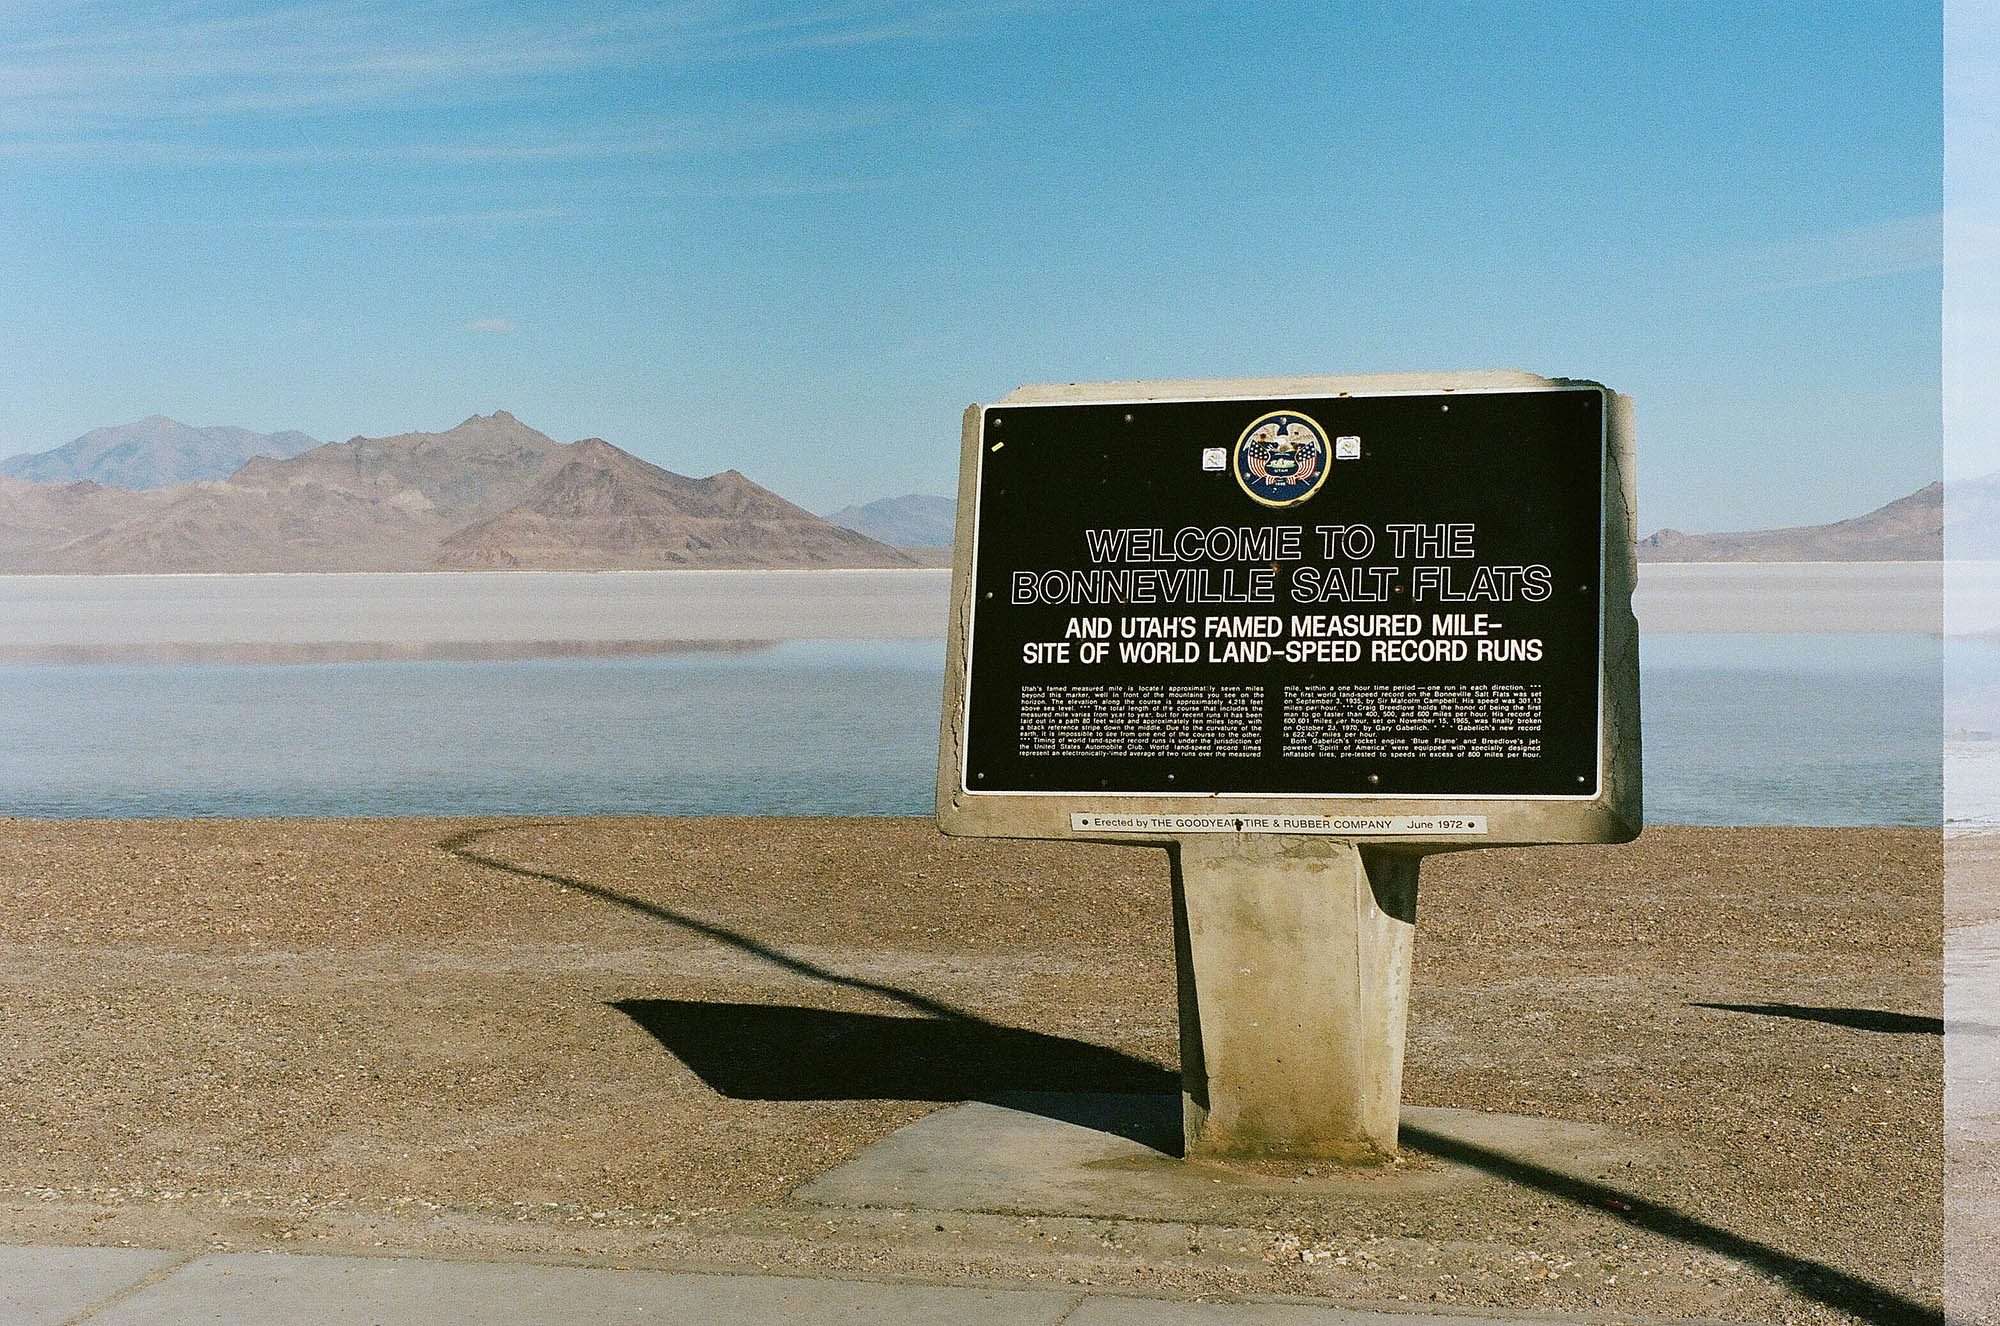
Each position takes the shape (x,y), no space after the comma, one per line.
(914,520)
(490,493)
(156,495)
(1909,529)
(154,452)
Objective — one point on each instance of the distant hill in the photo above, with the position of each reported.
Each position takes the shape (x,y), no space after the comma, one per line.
(1909,529)
(491,492)
(473,471)
(35,517)
(154,452)
(606,508)
(916,520)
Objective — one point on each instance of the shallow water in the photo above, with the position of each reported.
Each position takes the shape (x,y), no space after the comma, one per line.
(807,728)
(1972,732)
(1739,729)
(1792,729)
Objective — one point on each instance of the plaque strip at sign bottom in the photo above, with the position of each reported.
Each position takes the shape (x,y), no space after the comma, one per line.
(1344,826)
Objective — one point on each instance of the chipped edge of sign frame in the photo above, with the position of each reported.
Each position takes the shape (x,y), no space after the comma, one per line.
(1613,815)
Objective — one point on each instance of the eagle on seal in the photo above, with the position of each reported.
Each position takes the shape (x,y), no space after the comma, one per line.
(1284,458)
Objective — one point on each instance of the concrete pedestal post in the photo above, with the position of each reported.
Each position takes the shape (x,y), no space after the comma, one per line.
(1294,958)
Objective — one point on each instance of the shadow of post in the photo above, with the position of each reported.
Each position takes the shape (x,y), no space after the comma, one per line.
(1860,1019)
(1821,1283)
(786,1052)
(458,846)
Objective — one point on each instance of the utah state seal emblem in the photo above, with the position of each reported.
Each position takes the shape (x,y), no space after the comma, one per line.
(1281,458)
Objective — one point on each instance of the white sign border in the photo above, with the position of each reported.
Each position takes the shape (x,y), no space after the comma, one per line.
(972,607)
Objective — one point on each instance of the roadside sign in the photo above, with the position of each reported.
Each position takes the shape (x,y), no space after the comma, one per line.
(1399,601)
(1301,632)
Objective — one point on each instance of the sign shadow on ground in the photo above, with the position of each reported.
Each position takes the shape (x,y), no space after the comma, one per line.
(788,1052)
(1086,1117)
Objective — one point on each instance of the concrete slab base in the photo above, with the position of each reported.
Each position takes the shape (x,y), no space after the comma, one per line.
(251,1290)
(50,1286)
(1114,1157)
(153,1288)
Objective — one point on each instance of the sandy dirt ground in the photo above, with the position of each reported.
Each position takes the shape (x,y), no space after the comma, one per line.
(627,1041)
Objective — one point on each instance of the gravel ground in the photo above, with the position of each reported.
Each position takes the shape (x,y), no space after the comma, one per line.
(527,1039)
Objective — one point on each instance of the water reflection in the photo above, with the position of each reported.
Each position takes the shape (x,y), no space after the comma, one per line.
(1739,729)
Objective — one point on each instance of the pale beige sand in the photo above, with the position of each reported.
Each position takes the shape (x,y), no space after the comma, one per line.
(42,612)
(56,618)
(1831,597)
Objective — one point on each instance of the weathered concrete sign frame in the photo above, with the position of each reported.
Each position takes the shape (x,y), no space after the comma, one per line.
(1405,822)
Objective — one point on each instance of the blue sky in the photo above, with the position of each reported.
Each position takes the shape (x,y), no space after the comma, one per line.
(797,239)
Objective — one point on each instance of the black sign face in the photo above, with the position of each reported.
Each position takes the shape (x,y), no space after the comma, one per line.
(1373,596)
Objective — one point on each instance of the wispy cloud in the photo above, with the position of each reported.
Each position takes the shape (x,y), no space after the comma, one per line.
(1879,248)
(85,74)
(496,325)
(602,207)
(501,216)
(778,188)
(710,133)
(864,24)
